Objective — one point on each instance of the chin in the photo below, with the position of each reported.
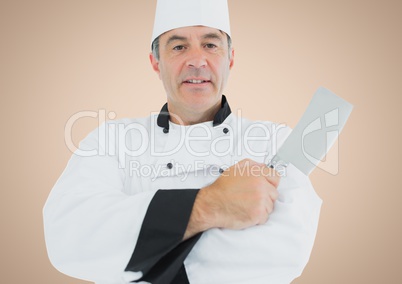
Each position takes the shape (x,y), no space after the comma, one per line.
(202,102)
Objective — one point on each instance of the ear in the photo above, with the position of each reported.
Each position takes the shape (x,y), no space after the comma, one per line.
(154,63)
(231,59)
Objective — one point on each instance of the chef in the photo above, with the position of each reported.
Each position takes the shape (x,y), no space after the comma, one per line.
(184,195)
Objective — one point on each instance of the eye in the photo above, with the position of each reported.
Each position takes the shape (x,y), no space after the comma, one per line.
(210,45)
(178,47)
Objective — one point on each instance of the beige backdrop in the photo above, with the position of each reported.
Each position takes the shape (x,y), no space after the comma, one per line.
(61,57)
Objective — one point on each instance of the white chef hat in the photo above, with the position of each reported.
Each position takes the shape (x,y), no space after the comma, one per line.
(172,14)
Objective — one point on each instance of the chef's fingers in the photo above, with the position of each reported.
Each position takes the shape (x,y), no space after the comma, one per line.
(247,163)
(271,175)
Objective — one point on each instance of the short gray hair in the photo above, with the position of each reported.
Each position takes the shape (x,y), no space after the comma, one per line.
(155,47)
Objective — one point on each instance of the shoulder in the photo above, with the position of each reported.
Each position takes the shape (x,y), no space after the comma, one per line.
(112,130)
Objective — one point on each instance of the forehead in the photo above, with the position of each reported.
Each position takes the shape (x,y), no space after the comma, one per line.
(193,32)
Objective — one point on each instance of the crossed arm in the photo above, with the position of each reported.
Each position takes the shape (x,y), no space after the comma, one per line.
(243,196)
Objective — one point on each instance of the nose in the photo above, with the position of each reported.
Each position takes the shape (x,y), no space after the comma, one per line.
(196,59)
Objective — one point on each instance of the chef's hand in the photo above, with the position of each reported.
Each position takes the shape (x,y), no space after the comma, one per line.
(243,196)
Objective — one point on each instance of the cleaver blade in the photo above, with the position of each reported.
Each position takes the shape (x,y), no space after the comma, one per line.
(315,133)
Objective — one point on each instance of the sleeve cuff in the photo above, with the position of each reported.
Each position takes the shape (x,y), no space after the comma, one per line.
(163,229)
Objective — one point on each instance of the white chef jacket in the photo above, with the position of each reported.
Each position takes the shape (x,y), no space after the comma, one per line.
(119,211)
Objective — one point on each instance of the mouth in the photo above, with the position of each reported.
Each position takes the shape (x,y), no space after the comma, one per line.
(196,81)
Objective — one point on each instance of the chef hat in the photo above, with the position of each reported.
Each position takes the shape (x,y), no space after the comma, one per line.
(172,14)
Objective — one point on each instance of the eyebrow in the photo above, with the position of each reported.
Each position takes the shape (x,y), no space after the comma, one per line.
(182,38)
(212,36)
(174,38)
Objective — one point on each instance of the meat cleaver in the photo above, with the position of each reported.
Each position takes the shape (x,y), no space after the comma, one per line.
(315,133)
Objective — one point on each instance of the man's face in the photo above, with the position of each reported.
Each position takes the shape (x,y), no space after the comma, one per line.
(194,66)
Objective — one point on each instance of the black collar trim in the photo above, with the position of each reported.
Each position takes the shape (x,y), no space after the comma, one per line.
(220,116)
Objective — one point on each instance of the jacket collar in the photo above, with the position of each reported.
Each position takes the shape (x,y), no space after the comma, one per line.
(220,116)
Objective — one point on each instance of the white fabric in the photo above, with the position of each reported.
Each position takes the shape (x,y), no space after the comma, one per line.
(94,213)
(172,14)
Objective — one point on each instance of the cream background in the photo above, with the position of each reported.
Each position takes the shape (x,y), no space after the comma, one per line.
(61,57)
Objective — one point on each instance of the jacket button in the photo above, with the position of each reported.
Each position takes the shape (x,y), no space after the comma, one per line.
(165,130)
(169,166)
(225,130)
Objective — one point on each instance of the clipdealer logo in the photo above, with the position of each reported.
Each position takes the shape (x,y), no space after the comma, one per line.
(126,138)
(325,130)
(115,138)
